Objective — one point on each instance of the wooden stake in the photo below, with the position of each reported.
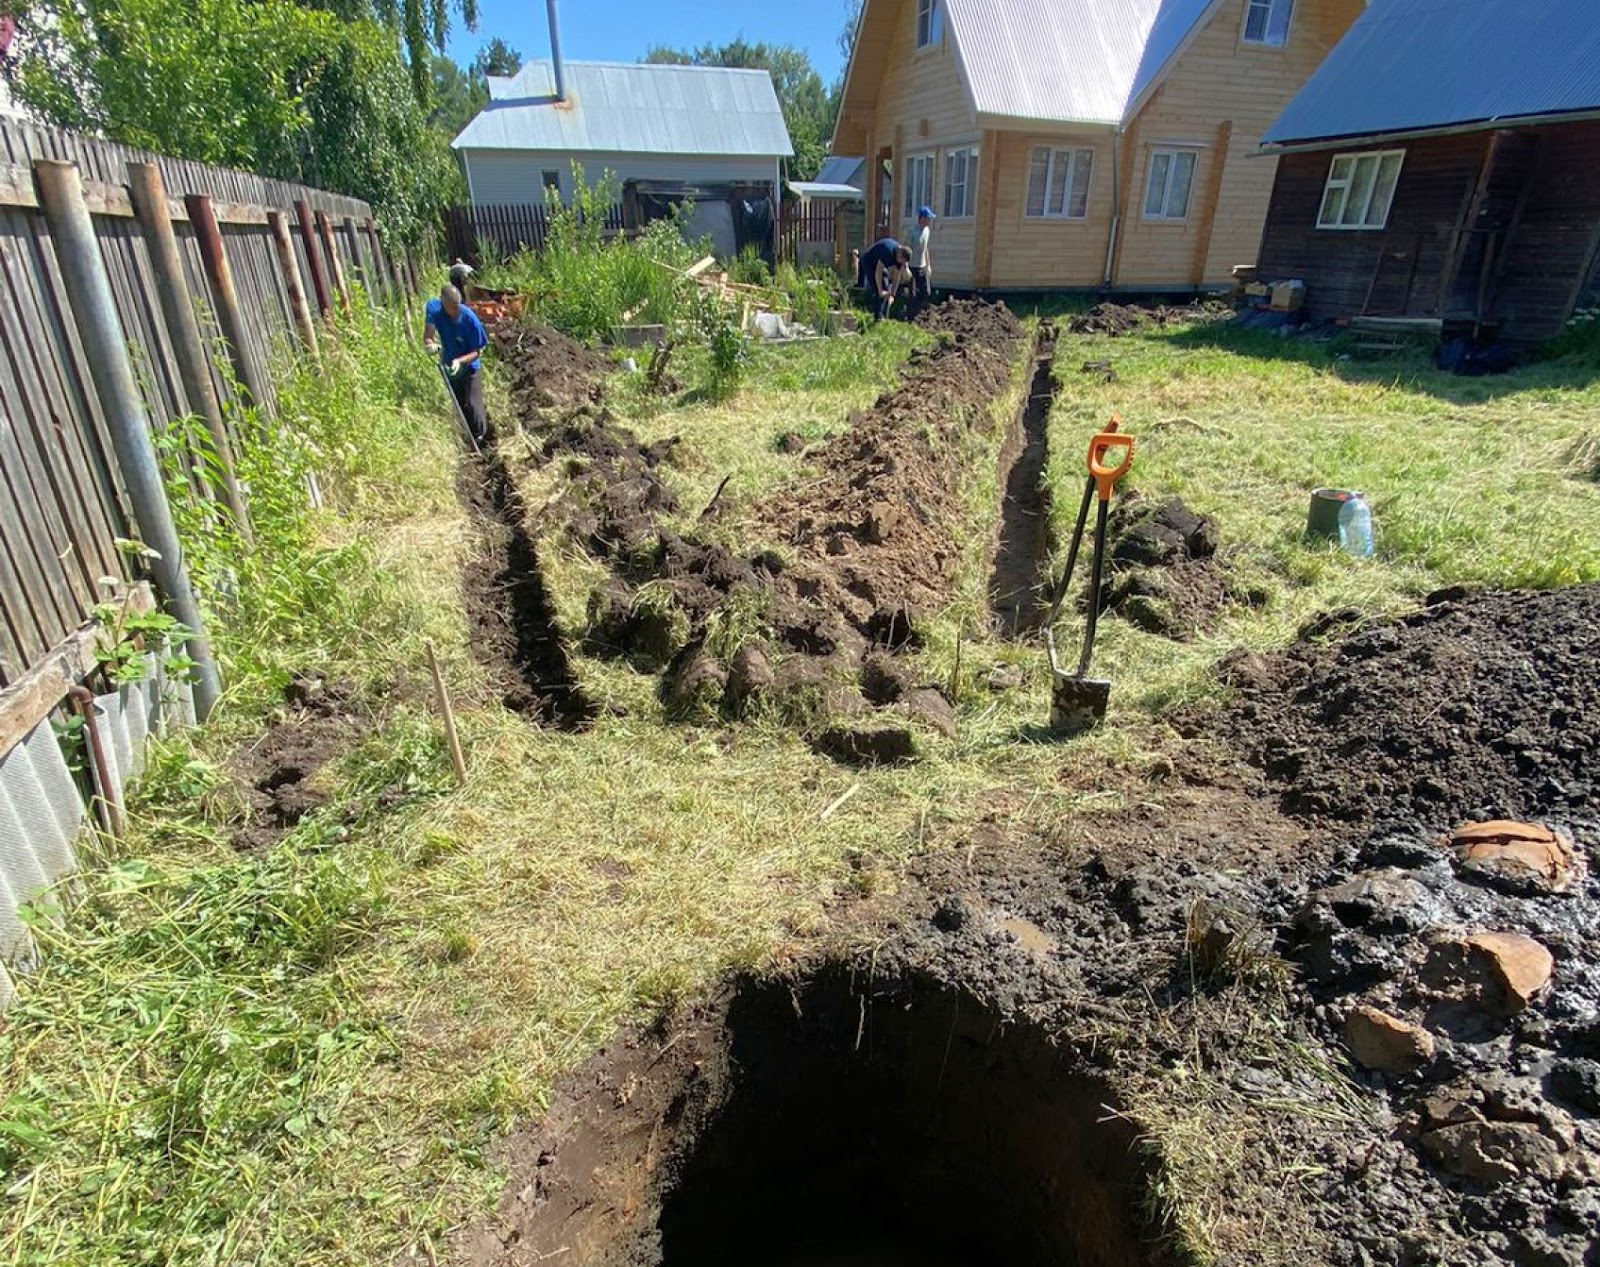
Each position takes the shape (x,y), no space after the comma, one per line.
(448,709)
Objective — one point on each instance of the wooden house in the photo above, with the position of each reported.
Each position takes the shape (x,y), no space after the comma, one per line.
(1444,166)
(1079,143)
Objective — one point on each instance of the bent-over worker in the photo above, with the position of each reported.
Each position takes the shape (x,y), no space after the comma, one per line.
(454,329)
(882,269)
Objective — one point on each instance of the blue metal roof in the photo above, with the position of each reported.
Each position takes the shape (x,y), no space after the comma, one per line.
(840,169)
(632,108)
(1417,65)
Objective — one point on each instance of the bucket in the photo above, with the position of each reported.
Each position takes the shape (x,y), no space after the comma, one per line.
(1326,503)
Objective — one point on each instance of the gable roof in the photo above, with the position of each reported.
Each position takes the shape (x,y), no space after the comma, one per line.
(1421,65)
(632,108)
(841,169)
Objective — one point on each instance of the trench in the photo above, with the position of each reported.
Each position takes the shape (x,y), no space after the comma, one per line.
(1018,586)
(511,618)
(837,1121)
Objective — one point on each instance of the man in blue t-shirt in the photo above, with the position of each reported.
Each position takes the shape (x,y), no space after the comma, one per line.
(881,269)
(454,329)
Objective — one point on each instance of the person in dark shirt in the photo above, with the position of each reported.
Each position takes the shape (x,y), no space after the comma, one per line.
(881,269)
(455,331)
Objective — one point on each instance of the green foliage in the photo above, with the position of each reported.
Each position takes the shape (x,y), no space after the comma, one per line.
(750,269)
(457,97)
(424,25)
(496,58)
(718,328)
(270,86)
(809,109)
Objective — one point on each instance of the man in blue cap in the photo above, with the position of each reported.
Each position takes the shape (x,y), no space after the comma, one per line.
(921,263)
(454,329)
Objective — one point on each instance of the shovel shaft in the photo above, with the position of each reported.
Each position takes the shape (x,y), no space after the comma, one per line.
(1072,555)
(1094,587)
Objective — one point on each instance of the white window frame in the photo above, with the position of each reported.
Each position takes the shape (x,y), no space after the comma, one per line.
(930,23)
(969,181)
(1173,155)
(913,194)
(1269,8)
(1342,185)
(1071,156)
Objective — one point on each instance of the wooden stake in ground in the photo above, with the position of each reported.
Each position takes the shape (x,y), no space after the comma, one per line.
(452,739)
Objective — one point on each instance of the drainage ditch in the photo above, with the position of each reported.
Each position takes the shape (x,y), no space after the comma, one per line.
(1018,585)
(836,1120)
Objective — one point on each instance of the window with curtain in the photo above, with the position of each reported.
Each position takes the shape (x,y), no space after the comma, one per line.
(1166,195)
(1058,184)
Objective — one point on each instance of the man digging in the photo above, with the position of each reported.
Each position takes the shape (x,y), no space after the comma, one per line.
(455,331)
(882,268)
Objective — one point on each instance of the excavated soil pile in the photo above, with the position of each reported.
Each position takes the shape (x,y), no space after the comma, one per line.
(1478,706)
(845,1117)
(876,534)
(546,369)
(1115,319)
(1166,575)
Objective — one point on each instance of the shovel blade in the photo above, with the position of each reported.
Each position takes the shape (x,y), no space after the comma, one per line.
(1078,704)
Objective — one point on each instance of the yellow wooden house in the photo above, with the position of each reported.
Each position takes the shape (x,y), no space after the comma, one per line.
(1079,143)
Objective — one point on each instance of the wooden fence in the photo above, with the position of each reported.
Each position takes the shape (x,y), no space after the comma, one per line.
(63,501)
(501,230)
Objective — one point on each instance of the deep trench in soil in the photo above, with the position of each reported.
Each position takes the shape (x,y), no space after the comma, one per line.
(511,618)
(1017,589)
(837,1121)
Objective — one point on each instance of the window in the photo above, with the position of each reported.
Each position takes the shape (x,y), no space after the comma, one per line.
(1360,190)
(552,181)
(918,184)
(960,182)
(1267,22)
(1058,184)
(1166,195)
(930,23)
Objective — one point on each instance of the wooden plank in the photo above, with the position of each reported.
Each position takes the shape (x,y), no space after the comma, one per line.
(35,695)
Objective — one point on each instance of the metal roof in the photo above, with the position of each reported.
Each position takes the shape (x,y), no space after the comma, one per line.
(1417,65)
(826,189)
(843,170)
(1070,61)
(632,108)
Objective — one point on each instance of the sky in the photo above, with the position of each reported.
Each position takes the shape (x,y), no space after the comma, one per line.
(623,30)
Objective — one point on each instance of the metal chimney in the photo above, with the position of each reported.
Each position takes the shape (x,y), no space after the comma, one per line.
(555,51)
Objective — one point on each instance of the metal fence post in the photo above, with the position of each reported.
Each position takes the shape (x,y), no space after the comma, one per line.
(319,278)
(290,268)
(94,312)
(325,231)
(149,195)
(225,298)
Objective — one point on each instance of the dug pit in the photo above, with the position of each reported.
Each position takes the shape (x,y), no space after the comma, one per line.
(837,1119)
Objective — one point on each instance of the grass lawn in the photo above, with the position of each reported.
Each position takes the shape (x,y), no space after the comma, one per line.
(306,1057)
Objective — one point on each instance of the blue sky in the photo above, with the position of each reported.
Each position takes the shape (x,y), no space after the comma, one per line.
(621,30)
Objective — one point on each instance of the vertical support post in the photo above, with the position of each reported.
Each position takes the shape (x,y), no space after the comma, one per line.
(380,264)
(358,263)
(94,312)
(149,195)
(325,232)
(225,299)
(290,268)
(308,235)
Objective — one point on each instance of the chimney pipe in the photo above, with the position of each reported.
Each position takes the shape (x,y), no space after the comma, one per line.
(555,51)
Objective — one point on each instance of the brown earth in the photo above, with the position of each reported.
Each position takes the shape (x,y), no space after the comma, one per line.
(1168,572)
(1115,319)
(546,369)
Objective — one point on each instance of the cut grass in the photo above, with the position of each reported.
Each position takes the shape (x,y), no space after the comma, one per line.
(306,1058)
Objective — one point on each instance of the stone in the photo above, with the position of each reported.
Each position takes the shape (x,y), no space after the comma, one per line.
(1494,1152)
(1518,858)
(1577,1081)
(1384,1043)
(1497,973)
(925,704)
(1523,966)
(1005,677)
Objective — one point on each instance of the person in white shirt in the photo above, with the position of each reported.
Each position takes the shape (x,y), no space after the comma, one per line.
(921,262)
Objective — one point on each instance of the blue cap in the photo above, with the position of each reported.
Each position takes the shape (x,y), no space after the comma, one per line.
(928,212)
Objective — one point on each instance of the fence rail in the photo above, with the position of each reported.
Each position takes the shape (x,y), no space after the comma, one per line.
(503,229)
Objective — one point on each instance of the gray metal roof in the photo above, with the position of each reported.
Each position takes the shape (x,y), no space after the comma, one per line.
(843,170)
(1072,61)
(826,189)
(632,108)
(1416,65)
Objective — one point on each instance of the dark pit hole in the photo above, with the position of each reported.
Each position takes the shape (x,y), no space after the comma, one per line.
(892,629)
(843,1121)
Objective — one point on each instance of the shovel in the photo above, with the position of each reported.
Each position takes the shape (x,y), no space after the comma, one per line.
(1077,701)
(461,415)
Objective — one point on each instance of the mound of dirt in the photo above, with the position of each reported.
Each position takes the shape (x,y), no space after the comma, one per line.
(1478,706)
(546,369)
(1166,575)
(876,533)
(1115,319)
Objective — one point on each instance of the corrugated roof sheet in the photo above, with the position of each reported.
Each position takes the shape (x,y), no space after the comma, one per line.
(632,108)
(826,189)
(843,170)
(1072,61)
(1411,65)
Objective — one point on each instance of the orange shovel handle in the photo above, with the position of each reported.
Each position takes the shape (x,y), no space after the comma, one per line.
(1105,472)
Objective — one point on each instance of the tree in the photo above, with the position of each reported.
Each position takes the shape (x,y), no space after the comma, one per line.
(807,107)
(496,58)
(457,96)
(424,25)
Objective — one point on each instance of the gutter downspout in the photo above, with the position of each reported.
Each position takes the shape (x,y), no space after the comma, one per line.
(1116,201)
(555,51)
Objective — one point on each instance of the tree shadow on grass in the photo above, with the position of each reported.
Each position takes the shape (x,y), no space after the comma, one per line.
(1411,364)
